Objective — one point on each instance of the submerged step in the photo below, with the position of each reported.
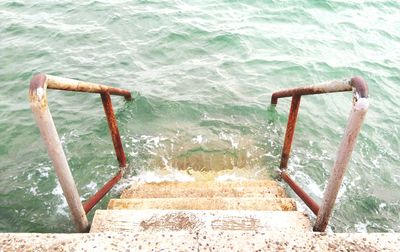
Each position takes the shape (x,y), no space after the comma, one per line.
(198,220)
(215,203)
(253,188)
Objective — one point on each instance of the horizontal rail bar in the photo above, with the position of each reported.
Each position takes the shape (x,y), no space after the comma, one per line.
(44,120)
(301,193)
(329,87)
(59,83)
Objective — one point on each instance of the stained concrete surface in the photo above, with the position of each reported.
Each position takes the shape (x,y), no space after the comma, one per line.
(200,241)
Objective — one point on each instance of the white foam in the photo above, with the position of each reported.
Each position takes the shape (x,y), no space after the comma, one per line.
(33,190)
(230,177)
(92,185)
(162,176)
(44,171)
(361,227)
(60,208)
(198,139)
(315,189)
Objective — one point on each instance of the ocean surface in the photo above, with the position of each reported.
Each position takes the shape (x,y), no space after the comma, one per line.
(202,73)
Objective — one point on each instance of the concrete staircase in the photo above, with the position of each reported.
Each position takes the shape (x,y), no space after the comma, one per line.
(201,216)
(203,206)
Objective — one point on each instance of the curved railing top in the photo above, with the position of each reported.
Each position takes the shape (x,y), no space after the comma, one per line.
(358,83)
(40,82)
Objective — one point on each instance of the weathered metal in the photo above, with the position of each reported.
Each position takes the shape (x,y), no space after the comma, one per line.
(361,87)
(44,120)
(291,125)
(360,107)
(300,192)
(113,126)
(346,147)
(92,201)
(61,83)
(361,91)
(329,87)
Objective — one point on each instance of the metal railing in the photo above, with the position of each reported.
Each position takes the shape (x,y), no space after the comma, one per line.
(44,120)
(354,123)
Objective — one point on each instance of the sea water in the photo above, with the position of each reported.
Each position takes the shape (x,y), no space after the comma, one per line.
(202,74)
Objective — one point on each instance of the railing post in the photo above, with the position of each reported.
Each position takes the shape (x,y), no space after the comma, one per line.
(346,147)
(112,124)
(44,120)
(291,125)
(359,109)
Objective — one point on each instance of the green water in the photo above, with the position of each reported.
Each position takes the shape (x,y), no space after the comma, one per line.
(202,73)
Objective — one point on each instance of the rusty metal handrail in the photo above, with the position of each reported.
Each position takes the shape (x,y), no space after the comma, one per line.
(38,101)
(356,118)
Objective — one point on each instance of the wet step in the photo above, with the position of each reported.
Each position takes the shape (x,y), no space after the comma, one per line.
(252,188)
(199,221)
(214,203)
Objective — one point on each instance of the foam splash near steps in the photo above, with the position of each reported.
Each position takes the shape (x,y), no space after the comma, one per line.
(174,183)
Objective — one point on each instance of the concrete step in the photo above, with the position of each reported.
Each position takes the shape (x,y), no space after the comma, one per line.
(252,188)
(200,241)
(198,220)
(215,203)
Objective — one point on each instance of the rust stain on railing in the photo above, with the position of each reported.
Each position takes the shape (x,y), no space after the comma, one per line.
(360,107)
(38,100)
(301,193)
(291,125)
